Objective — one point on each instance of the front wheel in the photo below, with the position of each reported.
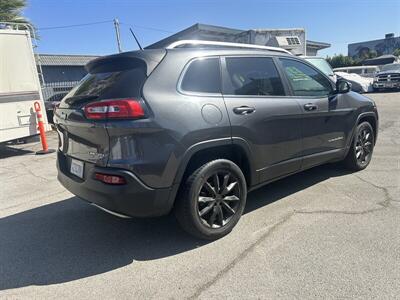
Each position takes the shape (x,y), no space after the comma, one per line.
(362,146)
(212,199)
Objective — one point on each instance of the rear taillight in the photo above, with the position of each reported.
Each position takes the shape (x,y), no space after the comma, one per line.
(110,179)
(114,109)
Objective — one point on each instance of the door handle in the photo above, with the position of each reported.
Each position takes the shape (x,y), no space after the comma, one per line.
(243,110)
(310,107)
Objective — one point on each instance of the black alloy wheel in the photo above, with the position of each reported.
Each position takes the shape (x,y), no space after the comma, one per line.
(218,199)
(364,145)
(212,199)
(360,153)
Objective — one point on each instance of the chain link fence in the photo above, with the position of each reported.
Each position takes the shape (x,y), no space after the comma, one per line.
(55,91)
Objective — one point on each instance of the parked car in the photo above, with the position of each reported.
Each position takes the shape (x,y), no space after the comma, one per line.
(388,77)
(364,71)
(51,103)
(321,64)
(192,130)
(359,84)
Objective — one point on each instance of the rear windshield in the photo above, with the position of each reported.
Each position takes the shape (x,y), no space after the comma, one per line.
(110,81)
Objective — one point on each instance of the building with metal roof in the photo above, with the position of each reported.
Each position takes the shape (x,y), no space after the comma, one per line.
(61,73)
(65,60)
(292,39)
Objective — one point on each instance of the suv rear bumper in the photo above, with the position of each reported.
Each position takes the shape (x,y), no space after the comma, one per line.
(133,199)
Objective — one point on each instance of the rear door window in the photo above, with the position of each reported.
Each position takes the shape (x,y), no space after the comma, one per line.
(252,76)
(202,76)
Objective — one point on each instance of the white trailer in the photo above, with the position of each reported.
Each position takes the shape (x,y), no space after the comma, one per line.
(19,86)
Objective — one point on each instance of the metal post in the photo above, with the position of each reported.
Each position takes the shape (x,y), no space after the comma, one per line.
(116,25)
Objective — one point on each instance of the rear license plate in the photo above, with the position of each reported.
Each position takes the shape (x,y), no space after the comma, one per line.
(77,168)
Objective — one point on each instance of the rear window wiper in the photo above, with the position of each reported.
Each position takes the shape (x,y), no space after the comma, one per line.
(80,99)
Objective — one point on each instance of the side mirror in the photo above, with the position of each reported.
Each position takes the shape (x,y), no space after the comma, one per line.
(342,86)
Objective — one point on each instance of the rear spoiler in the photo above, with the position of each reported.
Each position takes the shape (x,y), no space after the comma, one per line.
(149,59)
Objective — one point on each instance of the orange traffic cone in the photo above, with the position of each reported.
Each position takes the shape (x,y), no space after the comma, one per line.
(42,132)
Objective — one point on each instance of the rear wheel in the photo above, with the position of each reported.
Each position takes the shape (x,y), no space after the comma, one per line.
(212,199)
(362,146)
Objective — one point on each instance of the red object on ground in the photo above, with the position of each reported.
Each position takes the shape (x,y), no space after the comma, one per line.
(39,117)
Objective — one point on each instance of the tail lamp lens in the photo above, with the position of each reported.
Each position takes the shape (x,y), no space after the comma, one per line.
(114,109)
(110,179)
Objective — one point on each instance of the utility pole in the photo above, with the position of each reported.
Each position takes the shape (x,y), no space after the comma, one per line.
(116,25)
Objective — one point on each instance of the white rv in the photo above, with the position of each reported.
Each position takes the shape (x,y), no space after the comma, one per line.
(19,86)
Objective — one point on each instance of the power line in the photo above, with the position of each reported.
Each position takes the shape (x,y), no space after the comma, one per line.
(103,22)
(75,25)
(147,28)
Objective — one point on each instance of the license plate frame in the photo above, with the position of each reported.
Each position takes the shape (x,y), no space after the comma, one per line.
(77,167)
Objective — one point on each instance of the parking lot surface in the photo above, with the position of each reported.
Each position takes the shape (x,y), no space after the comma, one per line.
(323,233)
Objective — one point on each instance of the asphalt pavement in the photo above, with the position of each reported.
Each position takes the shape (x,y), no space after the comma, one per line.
(324,233)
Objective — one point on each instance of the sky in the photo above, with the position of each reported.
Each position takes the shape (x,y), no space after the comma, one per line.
(338,22)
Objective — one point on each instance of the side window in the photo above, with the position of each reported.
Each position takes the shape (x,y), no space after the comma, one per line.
(368,71)
(305,81)
(252,76)
(355,71)
(202,76)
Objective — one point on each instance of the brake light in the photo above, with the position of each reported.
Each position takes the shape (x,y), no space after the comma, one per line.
(114,109)
(110,179)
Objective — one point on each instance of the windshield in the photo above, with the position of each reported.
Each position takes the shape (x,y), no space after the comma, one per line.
(321,64)
(391,67)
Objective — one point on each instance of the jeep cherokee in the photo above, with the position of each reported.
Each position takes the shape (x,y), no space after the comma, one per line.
(193,129)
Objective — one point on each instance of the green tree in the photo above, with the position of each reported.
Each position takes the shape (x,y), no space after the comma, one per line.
(397,52)
(340,60)
(11,11)
(372,54)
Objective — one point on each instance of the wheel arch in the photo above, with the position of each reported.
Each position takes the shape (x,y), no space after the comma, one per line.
(235,149)
(371,119)
(366,116)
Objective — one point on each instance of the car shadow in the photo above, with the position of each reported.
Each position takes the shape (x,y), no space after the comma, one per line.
(6,151)
(70,239)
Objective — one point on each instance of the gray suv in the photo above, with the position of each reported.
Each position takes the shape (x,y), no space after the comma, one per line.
(192,129)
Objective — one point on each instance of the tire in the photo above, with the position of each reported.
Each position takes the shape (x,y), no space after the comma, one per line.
(205,213)
(362,147)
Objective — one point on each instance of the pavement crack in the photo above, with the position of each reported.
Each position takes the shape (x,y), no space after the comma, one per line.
(388,198)
(342,212)
(240,257)
(26,167)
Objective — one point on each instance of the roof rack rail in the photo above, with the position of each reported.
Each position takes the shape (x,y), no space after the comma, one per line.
(224,44)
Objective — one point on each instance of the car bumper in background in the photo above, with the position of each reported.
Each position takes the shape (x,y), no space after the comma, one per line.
(386,85)
(133,199)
